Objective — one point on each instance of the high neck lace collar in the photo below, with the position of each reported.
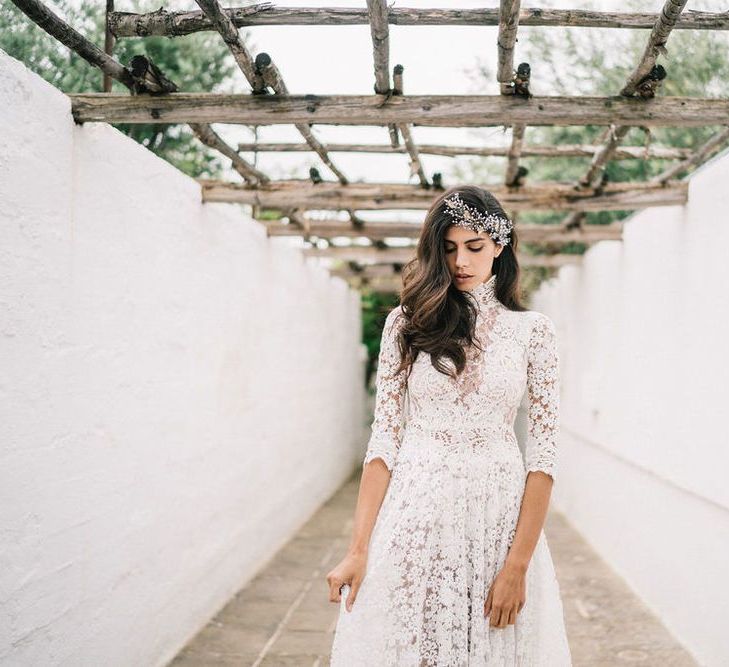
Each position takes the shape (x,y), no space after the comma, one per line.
(485,292)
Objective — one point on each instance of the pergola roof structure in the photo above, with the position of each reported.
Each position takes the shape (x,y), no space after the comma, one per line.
(156,99)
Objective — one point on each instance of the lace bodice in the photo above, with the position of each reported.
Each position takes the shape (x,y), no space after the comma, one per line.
(479,407)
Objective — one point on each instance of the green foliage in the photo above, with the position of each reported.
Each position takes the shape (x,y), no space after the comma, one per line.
(196,63)
(375,307)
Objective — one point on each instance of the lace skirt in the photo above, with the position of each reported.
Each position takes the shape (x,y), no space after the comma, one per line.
(442,534)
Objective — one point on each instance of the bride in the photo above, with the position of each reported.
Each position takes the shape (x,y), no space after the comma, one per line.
(448,563)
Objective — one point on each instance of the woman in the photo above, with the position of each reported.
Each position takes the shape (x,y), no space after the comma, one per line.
(448,563)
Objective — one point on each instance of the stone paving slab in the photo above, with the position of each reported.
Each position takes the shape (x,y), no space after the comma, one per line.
(283,616)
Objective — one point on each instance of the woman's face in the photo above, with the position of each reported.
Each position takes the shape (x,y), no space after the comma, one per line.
(470,256)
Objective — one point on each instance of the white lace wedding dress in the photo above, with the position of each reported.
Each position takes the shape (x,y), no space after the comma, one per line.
(449,515)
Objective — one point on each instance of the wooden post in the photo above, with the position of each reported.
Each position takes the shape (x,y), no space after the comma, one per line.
(377,12)
(508,25)
(656,43)
(513,171)
(108,43)
(416,167)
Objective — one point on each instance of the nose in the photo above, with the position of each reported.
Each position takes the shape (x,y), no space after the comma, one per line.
(461,259)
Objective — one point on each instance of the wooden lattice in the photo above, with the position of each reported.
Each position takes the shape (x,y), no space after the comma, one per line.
(156,99)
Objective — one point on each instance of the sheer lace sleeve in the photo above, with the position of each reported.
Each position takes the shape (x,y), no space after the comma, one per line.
(387,425)
(543,395)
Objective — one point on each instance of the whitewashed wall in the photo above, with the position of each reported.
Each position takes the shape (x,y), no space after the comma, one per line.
(644,337)
(178,393)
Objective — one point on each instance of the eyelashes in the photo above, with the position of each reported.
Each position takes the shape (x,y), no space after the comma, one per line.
(449,250)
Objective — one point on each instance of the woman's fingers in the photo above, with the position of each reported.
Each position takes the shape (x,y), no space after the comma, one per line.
(502,616)
(335,584)
(487,604)
(354,589)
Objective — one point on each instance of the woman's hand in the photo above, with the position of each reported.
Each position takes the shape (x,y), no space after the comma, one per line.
(350,570)
(507,596)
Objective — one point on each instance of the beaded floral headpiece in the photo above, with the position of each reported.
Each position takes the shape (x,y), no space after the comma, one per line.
(496,226)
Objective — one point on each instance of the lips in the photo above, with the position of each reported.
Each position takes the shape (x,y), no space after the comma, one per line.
(462,276)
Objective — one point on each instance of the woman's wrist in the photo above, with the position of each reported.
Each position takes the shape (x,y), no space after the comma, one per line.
(517,563)
(357,550)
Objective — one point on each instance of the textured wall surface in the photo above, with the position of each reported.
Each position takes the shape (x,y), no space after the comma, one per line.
(178,393)
(643,327)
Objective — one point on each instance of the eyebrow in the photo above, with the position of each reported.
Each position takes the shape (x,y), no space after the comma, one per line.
(478,238)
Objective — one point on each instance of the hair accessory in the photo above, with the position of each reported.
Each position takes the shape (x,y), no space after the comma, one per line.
(496,226)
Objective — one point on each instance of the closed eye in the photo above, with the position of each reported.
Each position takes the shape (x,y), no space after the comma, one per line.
(451,249)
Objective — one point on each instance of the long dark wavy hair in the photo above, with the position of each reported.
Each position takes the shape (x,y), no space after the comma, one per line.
(440,319)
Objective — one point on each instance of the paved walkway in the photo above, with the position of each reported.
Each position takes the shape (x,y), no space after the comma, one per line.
(284,618)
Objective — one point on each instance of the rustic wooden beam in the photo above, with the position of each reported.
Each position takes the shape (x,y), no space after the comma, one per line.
(666,21)
(365,270)
(701,155)
(380,31)
(512,176)
(383,196)
(148,78)
(506,42)
(537,234)
(562,150)
(74,40)
(162,22)
(364,254)
(373,277)
(573,221)
(430,110)
(209,137)
(593,175)
(108,45)
(222,23)
(416,166)
(399,255)
(375,284)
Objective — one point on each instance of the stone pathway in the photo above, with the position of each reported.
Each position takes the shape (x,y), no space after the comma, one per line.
(283,616)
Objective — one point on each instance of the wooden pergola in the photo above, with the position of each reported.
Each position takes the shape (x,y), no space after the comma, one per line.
(390,244)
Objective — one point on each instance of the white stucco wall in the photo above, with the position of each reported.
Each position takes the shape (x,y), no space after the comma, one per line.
(178,393)
(643,326)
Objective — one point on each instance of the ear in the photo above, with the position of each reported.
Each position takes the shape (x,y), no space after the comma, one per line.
(499,249)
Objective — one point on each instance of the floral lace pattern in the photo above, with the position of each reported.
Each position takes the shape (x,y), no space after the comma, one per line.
(449,514)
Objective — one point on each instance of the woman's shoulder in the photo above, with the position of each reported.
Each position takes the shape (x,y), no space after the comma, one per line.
(535,322)
(395,318)
(394,314)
